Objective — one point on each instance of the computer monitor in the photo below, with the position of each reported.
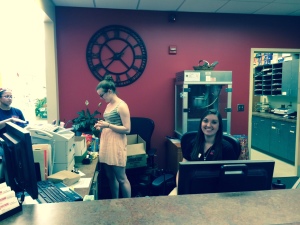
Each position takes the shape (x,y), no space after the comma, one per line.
(19,167)
(224,176)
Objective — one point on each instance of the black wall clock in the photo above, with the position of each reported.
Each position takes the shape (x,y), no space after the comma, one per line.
(118,51)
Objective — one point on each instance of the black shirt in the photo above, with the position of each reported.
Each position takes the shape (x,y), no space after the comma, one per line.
(228,152)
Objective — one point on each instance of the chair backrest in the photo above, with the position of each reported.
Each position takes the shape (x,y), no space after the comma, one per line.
(189,136)
(143,127)
(186,139)
(235,143)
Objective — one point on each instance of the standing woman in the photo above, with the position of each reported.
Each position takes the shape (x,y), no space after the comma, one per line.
(113,140)
(8,113)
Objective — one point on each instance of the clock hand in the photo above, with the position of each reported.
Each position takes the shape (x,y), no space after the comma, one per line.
(116,55)
(125,64)
(124,49)
(108,58)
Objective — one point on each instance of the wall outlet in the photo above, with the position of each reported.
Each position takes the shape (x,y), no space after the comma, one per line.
(240,107)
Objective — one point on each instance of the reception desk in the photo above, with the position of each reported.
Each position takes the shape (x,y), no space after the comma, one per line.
(90,171)
(258,207)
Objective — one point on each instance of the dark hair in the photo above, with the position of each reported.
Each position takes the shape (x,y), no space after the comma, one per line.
(107,83)
(200,139)
(2,90)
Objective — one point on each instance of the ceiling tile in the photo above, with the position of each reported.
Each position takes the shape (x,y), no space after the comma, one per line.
(202,5)
(279,9)
(117,4)
(241,7)
(296,13)
(260,1)
(165,5)
(74,3)
(287,1)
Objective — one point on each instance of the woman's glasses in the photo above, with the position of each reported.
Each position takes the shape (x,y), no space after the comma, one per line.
(7,96)
(101,95)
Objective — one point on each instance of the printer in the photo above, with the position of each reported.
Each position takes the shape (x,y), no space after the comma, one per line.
(62,143)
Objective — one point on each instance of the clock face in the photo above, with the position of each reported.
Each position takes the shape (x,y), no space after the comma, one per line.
(118,51)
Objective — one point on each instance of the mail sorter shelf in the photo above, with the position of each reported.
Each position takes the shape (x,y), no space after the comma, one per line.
(268,79)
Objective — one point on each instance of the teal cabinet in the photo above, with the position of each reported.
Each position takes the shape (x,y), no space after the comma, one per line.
(274,137)
(261,133)
(291,142)
(290,71)
(278,138)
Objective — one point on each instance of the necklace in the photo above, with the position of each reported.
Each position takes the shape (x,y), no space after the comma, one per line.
(207,152)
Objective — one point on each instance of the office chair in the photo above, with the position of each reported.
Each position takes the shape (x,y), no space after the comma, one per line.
(144,127)
(235,144)
(189,136)
(160,183)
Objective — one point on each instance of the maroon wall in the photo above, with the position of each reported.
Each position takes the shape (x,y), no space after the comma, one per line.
(227,38)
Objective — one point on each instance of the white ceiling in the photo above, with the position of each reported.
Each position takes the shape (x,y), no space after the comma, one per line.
(262,7)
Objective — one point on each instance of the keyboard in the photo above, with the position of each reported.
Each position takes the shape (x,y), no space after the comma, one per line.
(50,193)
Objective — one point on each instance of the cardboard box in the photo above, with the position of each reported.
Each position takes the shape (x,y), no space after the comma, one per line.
(136,152)
(80,145)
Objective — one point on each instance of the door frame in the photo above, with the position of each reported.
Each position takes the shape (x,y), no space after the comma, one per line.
(254,51)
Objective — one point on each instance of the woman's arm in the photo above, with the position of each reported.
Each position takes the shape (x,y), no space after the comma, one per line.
(12,119)
(2,122)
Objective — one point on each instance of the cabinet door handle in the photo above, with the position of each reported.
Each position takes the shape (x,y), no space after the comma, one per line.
(291,131)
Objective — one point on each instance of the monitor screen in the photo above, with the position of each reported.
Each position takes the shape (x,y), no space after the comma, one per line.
(18,160)
(224,176)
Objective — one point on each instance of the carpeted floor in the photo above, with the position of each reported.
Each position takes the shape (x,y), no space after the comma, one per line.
(288,181)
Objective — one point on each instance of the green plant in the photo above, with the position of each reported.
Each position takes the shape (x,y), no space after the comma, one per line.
(85,121)
(41,107)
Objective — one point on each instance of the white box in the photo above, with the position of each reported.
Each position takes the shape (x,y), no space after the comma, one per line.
(80,145)
(136,152)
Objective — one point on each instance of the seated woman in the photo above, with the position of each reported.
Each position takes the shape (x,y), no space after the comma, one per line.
(9,113)
(209,144)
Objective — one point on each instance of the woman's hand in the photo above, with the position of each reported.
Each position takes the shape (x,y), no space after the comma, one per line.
(101,124)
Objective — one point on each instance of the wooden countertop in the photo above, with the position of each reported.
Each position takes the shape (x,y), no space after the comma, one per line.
(254,207)
(273,116)
(89,171)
